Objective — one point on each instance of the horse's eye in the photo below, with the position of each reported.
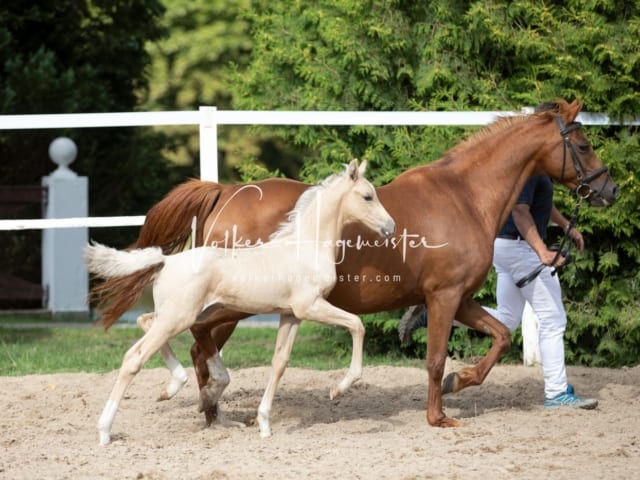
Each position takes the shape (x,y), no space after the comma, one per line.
(584,148)
(368,198)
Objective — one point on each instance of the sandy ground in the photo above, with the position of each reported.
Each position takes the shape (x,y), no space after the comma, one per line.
(378,430)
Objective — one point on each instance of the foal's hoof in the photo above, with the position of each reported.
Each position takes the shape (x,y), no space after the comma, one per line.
(105,437)
(334,392)
(451,383)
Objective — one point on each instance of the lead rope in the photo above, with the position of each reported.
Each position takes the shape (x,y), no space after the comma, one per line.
(572,221)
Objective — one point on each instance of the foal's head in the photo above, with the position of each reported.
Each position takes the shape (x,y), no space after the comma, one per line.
(572,161)
(361,203)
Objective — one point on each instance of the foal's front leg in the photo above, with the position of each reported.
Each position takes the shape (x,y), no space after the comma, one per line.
(287,330)
(322,311)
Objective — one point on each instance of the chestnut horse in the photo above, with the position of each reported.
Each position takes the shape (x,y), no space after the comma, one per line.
(460,200)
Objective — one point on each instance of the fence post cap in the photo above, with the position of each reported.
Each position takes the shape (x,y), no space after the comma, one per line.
(63,152)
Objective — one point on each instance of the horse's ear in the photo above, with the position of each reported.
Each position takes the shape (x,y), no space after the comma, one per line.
(352,170)
(573,110)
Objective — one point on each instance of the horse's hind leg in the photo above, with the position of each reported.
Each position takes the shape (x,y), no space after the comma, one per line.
(132,362)
(211,331)
(470,313)
(179,375)
(286,336)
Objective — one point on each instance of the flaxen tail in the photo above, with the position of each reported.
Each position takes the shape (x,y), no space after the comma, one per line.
(168,225)
(106,262)
(123,266)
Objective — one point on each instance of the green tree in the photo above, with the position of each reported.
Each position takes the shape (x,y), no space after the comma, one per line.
(191,67)
(84,56)
(468,55)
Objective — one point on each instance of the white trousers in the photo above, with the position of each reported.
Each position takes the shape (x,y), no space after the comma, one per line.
(513,260)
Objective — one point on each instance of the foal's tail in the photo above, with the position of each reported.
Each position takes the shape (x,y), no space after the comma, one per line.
(106,262)
(126,272)
(168,225)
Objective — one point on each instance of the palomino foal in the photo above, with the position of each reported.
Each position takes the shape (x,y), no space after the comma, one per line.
(291,274)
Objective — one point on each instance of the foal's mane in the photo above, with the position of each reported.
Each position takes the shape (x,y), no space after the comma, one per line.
(307,197)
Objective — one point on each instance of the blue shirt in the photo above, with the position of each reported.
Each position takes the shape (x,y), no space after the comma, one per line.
(538,195)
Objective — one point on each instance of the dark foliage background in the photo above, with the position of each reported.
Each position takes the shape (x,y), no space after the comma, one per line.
(80,56)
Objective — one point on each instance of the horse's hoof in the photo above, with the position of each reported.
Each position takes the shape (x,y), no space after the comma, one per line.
(450,423)
(210,413)
(450,383)
(444,422)
(223,422)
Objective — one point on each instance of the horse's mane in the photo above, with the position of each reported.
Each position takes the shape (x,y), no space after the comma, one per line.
(289,226)
(543,112)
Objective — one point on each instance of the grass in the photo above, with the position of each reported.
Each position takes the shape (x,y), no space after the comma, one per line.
(37,349)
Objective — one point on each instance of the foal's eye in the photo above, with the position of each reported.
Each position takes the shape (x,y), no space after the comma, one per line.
(368,198)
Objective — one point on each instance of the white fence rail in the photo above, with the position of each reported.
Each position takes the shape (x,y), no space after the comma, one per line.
(208,118)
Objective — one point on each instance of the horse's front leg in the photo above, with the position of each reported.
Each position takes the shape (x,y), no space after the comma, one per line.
(287,331)
(179,375)
(442,306)
(323,312)
(474,316)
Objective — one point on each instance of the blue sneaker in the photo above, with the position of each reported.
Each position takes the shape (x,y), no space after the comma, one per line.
(570,399)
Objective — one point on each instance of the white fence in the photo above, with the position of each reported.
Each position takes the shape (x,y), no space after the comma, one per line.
(208,119)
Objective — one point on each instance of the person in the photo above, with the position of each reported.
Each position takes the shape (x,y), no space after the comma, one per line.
(518,250)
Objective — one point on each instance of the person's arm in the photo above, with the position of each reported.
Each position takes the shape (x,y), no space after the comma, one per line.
(562,222)
(527,228)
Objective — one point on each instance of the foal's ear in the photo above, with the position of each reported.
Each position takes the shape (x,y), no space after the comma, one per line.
(355,172)
(362,168)
(352,170)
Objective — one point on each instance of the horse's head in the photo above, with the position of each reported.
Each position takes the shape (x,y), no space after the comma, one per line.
(361,203)
(572,160)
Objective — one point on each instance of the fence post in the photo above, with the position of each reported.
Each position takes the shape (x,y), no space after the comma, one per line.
(208,144)
(64,275)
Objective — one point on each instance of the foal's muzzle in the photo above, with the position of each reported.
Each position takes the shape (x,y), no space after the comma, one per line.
(388,229)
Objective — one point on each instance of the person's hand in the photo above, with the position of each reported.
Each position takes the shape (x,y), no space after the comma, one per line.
(575,236)
(547,256)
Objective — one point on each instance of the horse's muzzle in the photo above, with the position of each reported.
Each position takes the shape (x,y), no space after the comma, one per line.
(604,197)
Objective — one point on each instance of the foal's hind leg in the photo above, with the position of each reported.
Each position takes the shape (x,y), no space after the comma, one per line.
(179,375)
(470,313)
(286,335)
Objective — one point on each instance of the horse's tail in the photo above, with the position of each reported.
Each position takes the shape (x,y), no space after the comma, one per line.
(168,223)
(168,226)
